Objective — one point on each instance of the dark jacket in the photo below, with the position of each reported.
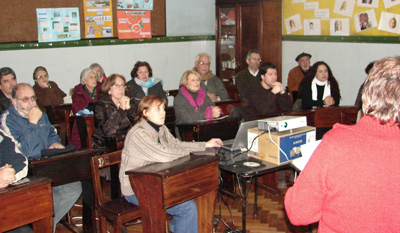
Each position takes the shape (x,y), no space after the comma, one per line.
(4,102)
(261,102)
(244,79)
(308,102)
(109,120)
(10,154)
(48,96)
(137,92)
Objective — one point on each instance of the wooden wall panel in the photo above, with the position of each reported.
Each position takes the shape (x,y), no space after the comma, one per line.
(18,21)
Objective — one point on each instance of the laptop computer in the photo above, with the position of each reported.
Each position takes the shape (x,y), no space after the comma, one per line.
(231,151)
(240,140)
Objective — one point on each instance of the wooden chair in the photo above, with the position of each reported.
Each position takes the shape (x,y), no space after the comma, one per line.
(117,210)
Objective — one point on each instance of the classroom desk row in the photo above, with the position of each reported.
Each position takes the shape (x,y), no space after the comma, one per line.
(62,118)
(191,177)
(321,118)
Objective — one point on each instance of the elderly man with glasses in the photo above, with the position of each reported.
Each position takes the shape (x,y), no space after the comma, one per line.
(212,84)
(33,131)
(247,77)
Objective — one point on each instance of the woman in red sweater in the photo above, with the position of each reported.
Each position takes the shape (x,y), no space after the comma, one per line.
(350,182)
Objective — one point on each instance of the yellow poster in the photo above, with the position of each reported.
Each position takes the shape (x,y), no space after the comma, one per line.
(341,17)
(98,18)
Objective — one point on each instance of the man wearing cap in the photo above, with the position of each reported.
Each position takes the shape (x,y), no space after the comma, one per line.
(297,73)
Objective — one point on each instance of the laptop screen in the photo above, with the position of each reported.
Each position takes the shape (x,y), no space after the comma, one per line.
(241,136)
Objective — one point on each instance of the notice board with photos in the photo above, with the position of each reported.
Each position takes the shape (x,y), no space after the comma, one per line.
(18,18)
(341,18)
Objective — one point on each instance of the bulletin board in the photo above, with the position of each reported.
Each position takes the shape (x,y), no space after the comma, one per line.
(341,18)
(18,18)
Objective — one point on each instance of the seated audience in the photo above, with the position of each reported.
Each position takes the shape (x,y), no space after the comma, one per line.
(150,141)
(31,129)
(143,83)
(192,103)
(347,185)
(47,92)
(319,87)
(113,112)
(297,74)
(101,76)
(8,80)
(214,86)
(84,95)
(247,77)
(263,98)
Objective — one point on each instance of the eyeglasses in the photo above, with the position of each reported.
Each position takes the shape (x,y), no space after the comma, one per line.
(255,59)
(118,86)
(204,63)
(42,76)
(27,99)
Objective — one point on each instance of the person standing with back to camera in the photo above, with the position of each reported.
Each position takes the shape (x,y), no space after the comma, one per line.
(347,185)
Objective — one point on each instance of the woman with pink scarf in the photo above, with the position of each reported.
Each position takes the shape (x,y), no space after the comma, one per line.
(192,103)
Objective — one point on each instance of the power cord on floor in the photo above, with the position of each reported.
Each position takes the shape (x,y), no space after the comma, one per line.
(220,200)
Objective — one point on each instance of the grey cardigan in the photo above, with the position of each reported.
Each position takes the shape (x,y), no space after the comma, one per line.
(144,145)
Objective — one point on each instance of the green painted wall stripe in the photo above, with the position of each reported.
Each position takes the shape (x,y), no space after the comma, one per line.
(100,42)
(355,39)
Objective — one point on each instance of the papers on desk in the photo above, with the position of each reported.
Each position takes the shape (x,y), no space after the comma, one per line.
(306,151)
(215,119)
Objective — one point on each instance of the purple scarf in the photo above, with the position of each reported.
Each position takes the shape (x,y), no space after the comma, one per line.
(199,100)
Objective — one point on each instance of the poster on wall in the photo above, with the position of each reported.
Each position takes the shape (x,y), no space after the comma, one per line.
(389,22)
(365,20)
(341,17)
(98,18)
(146,5)
(134,24)
(312,27)
(293,23)
(58,24)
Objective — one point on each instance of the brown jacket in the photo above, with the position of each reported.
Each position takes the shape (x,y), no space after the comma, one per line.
(48,96)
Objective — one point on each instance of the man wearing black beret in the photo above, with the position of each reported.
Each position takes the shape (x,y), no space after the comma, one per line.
(297,73)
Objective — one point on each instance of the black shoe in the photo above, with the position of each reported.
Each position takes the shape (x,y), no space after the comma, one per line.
(216,221)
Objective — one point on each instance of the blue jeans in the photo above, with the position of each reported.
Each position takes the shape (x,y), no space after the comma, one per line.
(184,216)
(64,198)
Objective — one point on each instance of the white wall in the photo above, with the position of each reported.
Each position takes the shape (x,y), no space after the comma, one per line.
(190,17)
(168,60)
(347,61)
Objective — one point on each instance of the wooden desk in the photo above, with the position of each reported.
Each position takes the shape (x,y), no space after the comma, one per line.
(68,168)
(28,201)
(161,185)
(204,131)
(328,116)
(86,129)
(227,105)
